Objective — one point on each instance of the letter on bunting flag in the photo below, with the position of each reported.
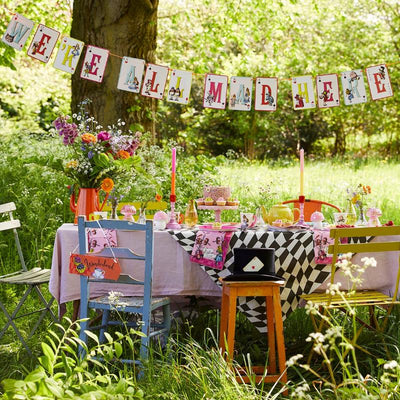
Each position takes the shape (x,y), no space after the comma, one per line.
(303,92)
(215,88)
(328,91)
(94,64)
(130,74)
(180,84)
(154,81)
(43,43)
(17,32)
(240,92)
(68,54)
(353,87)
(266,94)
(379,82)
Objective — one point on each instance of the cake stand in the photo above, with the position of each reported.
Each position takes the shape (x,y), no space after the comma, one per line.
(217,210)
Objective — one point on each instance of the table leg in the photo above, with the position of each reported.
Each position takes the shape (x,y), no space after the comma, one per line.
(75,310)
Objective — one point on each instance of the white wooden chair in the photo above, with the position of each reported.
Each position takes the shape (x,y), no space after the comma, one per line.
(31,279)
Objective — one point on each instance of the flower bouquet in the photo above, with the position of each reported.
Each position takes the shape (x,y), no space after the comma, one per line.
(97,156)
(356,197)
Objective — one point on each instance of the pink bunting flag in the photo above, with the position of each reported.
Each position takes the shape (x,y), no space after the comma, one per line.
(68,54)
(328,91)
(154,81)
(43,43)
(241,89)
(353,87)
(379,83)
(94,64)
(266,94)
(303,92)
(17,32)
(180,84)
(215,88)
(130,75)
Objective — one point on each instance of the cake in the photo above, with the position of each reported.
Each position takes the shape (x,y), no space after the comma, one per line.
(232,202)
(208,201)
(220,201)
(216,192)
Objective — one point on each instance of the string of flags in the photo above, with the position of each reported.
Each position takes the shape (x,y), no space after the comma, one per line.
(150,80)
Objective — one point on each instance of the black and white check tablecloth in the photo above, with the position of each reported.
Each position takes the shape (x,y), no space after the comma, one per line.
(294,261)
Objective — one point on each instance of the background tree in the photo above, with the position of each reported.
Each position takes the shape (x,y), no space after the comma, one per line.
(125,28)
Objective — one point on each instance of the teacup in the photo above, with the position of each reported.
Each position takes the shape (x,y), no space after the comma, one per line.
(340,218)
(247,219)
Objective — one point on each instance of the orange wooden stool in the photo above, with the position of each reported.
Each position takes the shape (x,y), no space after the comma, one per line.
(270,290)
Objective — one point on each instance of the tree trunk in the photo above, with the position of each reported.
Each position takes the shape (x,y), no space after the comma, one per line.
(125,28)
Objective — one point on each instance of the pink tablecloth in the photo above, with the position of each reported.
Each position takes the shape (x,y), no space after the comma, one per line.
(173,273)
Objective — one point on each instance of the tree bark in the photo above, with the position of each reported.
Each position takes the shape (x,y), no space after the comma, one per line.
(125,28)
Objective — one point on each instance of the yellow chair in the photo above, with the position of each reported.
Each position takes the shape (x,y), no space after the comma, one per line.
(365,297)
(151,208)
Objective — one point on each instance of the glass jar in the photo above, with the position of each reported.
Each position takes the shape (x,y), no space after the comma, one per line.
(351,217)
(191,217)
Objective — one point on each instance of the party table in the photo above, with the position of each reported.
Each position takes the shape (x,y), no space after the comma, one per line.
(175,275)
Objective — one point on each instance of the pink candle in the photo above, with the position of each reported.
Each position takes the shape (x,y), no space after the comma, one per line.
(173,171)
(301,172)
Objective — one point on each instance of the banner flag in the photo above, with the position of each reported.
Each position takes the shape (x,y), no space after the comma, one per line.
(353,87)
(215,88)
(379,83)
(328,90)
(68,54)
(154,81)
(17,32)
(303,92)
(241,89)
(43,43)
(130,75)
(180,84)
(266,94)
(94,64)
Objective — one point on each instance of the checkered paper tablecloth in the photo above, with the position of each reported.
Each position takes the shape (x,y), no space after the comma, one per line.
(294,261)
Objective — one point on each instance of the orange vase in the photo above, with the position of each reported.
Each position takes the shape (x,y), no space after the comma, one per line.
(88,202)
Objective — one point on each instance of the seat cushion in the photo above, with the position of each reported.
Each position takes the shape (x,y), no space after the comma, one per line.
(34,276)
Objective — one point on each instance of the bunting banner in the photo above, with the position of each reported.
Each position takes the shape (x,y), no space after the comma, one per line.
(150,80)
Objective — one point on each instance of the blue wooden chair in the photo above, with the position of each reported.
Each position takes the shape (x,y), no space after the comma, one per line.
(31,279)
(127,304)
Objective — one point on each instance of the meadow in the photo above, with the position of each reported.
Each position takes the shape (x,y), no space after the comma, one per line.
(31,176)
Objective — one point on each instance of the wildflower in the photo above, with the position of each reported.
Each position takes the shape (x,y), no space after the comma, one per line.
(391,365)
(123,154)
(88,138)
(300,391)
(107,185)
(113,297)
(72,164)
(368,262)
(103,136)
(158,197)
(333,288)
(293,360)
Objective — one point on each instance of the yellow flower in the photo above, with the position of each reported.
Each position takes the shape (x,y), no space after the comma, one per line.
(123,154)
(107,185)
(72,164)
(89,138)
(355,198)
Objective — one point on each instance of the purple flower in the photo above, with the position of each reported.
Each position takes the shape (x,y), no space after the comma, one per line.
(60,122)
(103,136)
(90,154)
(70,132)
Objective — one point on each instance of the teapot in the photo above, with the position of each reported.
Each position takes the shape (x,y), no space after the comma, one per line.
(281,212)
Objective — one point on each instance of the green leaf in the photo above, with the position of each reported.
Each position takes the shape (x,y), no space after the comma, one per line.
(118,349)
(36,375)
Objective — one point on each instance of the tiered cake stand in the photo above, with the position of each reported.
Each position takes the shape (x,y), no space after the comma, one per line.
(217,210)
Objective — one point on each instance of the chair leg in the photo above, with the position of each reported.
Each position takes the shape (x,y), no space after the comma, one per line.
(167,320)
(271,335)
(224,321)
(231,323)
(279,335)
(46,303)
(104,322)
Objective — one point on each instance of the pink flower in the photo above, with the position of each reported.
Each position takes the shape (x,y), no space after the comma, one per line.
(103,136)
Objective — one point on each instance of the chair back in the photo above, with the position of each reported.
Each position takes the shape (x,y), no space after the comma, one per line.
(6,210)
(369,247)
(310,206)
(119,252)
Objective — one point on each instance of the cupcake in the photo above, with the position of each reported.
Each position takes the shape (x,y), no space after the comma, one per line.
(208,201)
(200,202)
(220,201)
(232,202)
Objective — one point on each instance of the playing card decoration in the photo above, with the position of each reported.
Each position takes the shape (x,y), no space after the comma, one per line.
(179,86)
(68,54)
(379,83)
(130,75)
(303,92)
(154,81)
(254,265)
(17,32)
(353,87)
(215,88)
(266,94)
(241,89)
(94,64)
(328,91)
(43,43)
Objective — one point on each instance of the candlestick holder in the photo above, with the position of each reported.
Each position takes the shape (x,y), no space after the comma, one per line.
(300,223)
(173,224)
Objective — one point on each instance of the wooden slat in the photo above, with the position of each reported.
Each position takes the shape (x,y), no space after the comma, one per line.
(365,231)
(33,276)
(7,207)
(119,252)
(364,247)
(6,225)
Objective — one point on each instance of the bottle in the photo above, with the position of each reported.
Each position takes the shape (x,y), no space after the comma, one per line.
(351,217)
(191,217)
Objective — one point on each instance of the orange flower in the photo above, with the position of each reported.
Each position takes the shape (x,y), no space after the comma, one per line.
(88,138)
(158,197)
(123,154)
(107,185)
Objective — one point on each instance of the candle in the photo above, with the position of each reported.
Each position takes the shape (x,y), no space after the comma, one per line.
(173,170)
(301,172)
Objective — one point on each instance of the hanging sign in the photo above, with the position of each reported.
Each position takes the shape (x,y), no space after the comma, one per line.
(303,92)
(130,75)
(68,54)
(266,94)
(17,32)
(379,83)
(94,266)
(43,43)
(94,64)
(241,89)
(180,84)
(353,87)
(328,91)
(215,88)
(154,81)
